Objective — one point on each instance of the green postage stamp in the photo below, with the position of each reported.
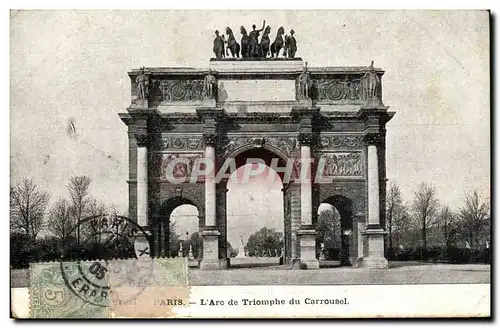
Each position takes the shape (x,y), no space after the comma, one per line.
(106,289)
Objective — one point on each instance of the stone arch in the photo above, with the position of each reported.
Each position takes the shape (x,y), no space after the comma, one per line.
(175,199)
(345,201)
(348,208)
(249,146)
(160,223)
(264,152)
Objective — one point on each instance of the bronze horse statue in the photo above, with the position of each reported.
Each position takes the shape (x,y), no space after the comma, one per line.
(245,52)
(232,44)
(265,42)
(278,42)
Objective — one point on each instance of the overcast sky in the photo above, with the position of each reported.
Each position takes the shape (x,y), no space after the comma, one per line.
(72,66)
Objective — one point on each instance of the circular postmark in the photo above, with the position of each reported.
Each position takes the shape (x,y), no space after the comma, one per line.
(113,255)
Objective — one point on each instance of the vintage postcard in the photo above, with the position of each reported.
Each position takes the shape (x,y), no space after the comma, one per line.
(250,164)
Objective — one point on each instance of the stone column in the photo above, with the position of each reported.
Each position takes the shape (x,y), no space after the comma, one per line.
(211,234)
(142,179)
(374,232)
(210,189)
(307,233)
(360,229)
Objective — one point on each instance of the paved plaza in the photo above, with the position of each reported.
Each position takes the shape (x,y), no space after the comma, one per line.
(399,273)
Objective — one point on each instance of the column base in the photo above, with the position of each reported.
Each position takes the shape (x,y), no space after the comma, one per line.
(141,244)
(209,265)
(307,241)
(220,264)
(375,258)
(210,259)
(374,262)
(356,261)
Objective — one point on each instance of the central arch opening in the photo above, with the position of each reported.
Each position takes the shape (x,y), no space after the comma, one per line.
(255,211)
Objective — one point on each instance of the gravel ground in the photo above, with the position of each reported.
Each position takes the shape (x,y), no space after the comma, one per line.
(272,274)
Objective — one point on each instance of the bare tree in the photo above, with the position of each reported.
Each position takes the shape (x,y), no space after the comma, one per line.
(474,219)
(95,207)
(90,230)
(27,208)
(402,223)
(447,220)
(394,203)
(425,206)
(61,221)
(78,190)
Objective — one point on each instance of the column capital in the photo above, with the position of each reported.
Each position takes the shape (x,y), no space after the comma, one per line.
(372,139)
(210,138)
(142,139)
(305,138)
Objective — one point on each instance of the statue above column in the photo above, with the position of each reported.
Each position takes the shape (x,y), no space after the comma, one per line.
(142,81)
(304,84)
(209,92)
(371,81)
(209,86)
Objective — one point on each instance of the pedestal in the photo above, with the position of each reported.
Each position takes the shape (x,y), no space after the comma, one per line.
(207,103)
(303,106)
(210,259)
(241,252)
(139,103)
(375,258)
(307,240)
(304,103)
(374,102)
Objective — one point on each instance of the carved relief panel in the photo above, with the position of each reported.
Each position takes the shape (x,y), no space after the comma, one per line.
(167,166)
(342,164)
(341,142)
(339,91)
(177,90)
(178,143)
(287,145)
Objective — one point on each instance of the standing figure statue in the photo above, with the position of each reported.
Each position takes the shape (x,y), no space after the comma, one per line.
(290,45)
(218,45)
(304,84)
(142,81)
(372,82)
(287,46)
(254,47)
(209,85)
(278,43)
(265,42)
(245,43)
(232,44)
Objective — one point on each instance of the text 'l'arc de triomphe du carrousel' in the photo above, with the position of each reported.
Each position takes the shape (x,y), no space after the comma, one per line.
(256,99)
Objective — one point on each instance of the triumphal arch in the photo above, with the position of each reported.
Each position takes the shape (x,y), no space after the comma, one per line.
(274,109)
